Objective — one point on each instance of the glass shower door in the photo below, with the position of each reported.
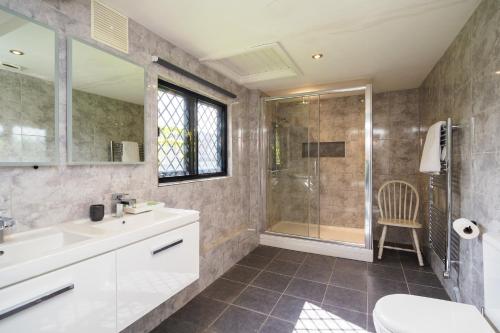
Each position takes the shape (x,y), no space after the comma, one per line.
(293,166)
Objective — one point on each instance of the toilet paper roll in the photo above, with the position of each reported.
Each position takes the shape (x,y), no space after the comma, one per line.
(466,228)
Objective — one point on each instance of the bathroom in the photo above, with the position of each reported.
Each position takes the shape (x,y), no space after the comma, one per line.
(162,174)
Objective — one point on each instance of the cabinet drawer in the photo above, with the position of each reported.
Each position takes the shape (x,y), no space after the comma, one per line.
(78,298)
(151,271)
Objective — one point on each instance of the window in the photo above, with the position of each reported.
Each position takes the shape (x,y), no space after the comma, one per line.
(192,135)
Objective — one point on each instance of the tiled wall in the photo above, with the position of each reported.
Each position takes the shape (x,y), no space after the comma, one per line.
(464,85)
(342,181)
(27,118)
(98,120)
(396,153)
(228,206)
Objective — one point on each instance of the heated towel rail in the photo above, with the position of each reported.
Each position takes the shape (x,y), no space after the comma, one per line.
(441,238)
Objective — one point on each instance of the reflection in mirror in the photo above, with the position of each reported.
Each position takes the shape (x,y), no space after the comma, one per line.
(27,98)
(107,107)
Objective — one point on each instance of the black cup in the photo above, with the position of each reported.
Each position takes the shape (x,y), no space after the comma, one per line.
(96,212)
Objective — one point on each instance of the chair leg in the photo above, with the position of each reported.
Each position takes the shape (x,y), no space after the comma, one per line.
(417,247)
(381,242)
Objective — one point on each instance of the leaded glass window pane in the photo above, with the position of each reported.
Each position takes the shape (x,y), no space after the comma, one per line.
(173,136)
(209,138)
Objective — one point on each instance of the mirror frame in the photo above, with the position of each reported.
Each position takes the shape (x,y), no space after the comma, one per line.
(57,151)
(69,104)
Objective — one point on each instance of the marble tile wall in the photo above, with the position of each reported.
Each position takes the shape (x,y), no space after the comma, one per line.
(396,152)
(98,120)
(464,85)
(228,210)
(27,118)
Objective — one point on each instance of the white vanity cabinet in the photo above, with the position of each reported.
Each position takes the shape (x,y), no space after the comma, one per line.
(114,273)
(77,298)
(151,271)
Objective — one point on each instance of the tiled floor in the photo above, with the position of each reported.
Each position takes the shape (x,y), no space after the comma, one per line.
(281,291)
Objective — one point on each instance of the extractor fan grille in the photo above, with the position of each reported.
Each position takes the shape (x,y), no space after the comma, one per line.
(109,26)
(259,63)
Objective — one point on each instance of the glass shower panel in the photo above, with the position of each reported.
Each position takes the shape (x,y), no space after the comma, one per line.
(293,168)
(342,165)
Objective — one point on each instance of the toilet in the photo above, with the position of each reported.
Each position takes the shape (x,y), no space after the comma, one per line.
(415,314)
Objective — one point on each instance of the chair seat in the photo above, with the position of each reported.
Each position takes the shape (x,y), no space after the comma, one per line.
(400,223)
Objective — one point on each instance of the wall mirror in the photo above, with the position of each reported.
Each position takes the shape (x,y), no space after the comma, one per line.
(28,113)
(105,107)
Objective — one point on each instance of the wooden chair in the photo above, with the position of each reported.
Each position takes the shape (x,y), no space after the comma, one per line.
(398,203)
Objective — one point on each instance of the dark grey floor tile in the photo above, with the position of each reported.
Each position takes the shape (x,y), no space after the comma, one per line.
(348,279)
(318,273)
(258,299)
(410,261)
(346,320)
(425,291)
(266,251)
(346,298)
(239,320)
(353,266)
(290,255)
(370,326)
(223,290)
(292,308)
(386,272)
(274,325)
(173,325)
(372,300)
(320,260)
(306,289)
(255,261)
(200,311)
(272,281)
(388,259)
(423,278)
(241,273)
(376,285)
(283,267)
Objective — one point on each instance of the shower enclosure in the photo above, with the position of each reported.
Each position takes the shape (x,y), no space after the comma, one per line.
(317,184)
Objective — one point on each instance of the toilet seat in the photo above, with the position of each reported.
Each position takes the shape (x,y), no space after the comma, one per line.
(415,314)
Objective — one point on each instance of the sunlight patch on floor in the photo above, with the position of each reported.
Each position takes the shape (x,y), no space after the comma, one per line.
(314,319)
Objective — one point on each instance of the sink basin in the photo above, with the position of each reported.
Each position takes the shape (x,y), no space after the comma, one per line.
(29,245)
(128,222)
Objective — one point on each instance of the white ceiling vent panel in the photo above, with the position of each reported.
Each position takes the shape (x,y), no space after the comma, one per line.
(260,63)
(109,26)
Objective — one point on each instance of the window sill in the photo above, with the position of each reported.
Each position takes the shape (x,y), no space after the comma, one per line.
(188,181)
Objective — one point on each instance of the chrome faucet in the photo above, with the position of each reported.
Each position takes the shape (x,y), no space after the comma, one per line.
(5,222)
(122,201)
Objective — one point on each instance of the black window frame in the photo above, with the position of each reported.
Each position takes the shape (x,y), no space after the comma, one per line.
(193,99)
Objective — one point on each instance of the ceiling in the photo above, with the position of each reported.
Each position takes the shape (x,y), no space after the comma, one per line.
(97,72)
(37,43)
(394,43)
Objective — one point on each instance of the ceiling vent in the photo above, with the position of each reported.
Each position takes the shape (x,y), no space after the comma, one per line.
(260,63)
(109,26)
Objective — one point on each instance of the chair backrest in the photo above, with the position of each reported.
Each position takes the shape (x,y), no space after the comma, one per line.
(398,199)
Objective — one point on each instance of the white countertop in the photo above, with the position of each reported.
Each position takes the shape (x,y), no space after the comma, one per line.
(39,251)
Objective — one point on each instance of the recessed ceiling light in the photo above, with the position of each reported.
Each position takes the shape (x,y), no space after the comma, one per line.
(317,56)
(497,72)
(16,52)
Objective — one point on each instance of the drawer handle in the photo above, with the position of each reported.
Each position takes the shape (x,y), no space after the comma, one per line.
(166,247)
(35,301)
